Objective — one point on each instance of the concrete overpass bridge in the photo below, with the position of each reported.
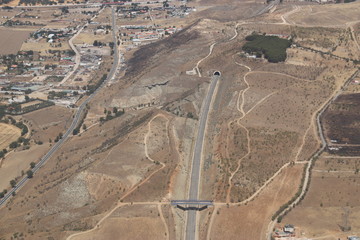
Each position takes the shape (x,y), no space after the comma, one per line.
(195,205)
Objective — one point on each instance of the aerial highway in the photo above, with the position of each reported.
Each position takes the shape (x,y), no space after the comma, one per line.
(190,232)
(196,168)
(74,123)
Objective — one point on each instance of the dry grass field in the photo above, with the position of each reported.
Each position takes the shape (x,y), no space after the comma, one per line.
(332,201)
(30,103)
(89,38)
(43,47)
(250,221)
(19,161)
(252,108)
(12,39)
(130,222)
(47,123)
(8,134)
(331,15)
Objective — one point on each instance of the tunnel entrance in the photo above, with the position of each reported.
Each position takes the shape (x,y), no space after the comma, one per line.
(217,73)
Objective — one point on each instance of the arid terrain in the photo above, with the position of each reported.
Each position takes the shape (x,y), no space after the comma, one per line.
(114,115)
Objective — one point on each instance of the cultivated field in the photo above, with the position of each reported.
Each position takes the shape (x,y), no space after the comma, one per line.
(341,124)
(43,47)
(11,40)
(8,134)
(341,119)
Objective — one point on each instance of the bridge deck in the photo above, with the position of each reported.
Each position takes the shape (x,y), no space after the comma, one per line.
(192,202)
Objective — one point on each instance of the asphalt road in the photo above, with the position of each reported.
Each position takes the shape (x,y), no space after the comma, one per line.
(267,8)
(195,171)
(75,122)
(190,233)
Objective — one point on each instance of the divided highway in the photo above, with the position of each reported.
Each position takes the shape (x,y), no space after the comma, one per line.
(196,162)
(74,123)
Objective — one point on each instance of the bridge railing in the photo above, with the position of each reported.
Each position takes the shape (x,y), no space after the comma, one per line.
(192,202)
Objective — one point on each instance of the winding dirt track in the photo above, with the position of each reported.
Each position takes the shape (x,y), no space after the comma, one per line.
(240,108)
(120,204)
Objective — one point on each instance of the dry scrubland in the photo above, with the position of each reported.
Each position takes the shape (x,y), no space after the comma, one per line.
(274,131)
(257,133)
(336,40)
(12,39)
(246,221)
(133,158)
(144,155)
(130,222)
(332,200)
(18,161)
(332,15)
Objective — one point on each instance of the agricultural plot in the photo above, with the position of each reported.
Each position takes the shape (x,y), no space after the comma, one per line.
(8,134)
(342,125)
(11,40)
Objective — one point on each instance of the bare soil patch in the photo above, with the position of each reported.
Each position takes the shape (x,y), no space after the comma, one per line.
(12,39)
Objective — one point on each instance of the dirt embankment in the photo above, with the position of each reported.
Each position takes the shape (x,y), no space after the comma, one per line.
(145,57)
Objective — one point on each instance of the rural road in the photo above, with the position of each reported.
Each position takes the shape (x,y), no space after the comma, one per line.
(73,47)
(75,122)
(316,154)
(196,168)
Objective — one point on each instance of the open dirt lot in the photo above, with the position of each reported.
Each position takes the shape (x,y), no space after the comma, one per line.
(11,40)
(8,134)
